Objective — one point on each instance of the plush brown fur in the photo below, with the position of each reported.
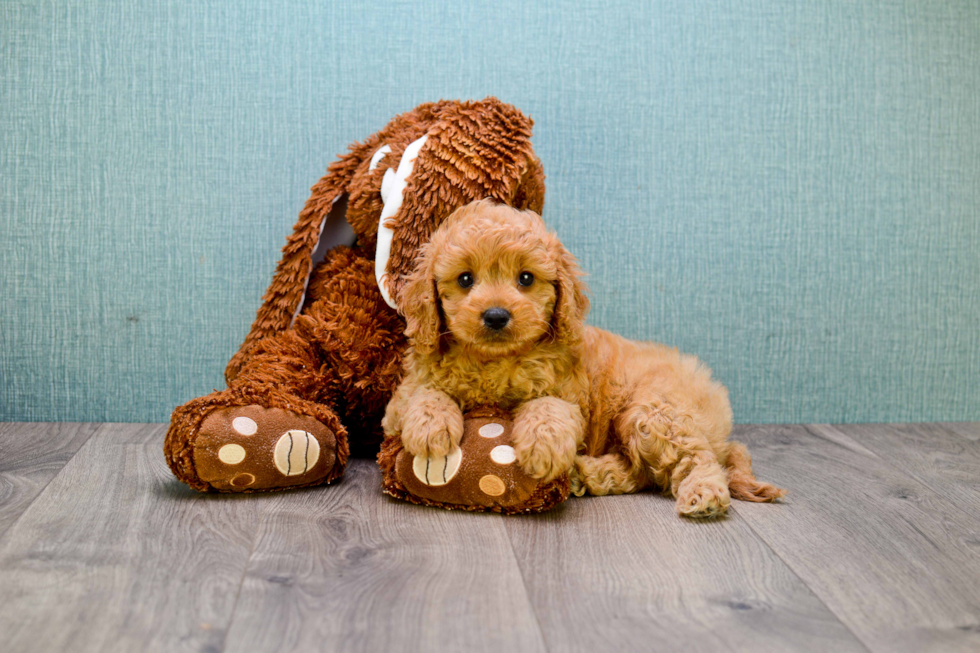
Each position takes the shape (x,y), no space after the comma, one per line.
(340,359)
(621,415)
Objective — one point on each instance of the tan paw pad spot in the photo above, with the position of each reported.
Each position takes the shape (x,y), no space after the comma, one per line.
(492,485)
(243,480)
(296,452)
(231,454)
(244,425)
(491,430)
(437,470)
(503,455)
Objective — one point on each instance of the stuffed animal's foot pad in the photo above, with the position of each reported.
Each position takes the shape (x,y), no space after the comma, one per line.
(437,470)
(254,448)
(480,474)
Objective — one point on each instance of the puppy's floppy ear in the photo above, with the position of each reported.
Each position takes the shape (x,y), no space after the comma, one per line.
(419,304)
(571,303)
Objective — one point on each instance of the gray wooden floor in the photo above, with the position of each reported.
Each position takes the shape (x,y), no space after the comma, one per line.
(877,548)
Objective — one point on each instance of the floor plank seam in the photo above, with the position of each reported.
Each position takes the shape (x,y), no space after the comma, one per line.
(813,590)
(11,525)
(527,593)
(241,582)
(816,434)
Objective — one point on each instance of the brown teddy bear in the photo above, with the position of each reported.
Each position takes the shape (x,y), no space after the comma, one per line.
(311,381)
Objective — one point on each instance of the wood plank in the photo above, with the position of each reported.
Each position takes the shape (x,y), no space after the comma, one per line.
(113,554)
(31,454)
(349,569)
(945,462)
(968,430)
(894,560)
(116,555)
(625,573)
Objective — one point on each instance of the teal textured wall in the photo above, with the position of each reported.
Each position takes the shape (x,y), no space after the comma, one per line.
(788,189)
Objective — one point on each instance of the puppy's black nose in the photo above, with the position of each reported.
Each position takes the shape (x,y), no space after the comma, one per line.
(496,318)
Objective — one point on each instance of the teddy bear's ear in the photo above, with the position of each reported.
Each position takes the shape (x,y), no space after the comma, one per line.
(420,304)
(530,191)
(571,302)
(474,150)
(321,225)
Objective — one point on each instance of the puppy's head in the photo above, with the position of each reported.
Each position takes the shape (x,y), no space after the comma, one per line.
(494,279)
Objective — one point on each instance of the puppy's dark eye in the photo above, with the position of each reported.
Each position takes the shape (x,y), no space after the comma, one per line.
(465,280)
(525,279)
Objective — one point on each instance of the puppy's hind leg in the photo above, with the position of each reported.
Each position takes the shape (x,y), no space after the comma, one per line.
(677,456)
(609,474)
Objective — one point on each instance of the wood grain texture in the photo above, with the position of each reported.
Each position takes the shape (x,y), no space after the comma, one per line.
(968,430)
(626,573)
(115,555)
(876,549)
(31,454)
(894,560)
(349,569)
(945,462)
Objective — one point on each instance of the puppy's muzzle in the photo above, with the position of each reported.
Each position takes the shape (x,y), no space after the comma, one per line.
(496,318)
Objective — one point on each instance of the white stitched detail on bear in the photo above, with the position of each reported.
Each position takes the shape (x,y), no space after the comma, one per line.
(503,455)
(437,470)
(491,430)
(392,191)
(296,453)
(377,156)
(334,230)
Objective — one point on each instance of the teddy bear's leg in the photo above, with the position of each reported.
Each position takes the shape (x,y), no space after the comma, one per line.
(279,424)
(360,339)
(273,428)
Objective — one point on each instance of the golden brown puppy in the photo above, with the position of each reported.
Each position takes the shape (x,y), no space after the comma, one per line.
(495,312)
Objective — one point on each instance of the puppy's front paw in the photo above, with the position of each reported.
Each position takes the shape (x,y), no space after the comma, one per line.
(540,459)
(703,497)
(430,432)
(546,435)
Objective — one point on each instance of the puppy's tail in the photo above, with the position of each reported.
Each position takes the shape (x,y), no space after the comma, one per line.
(742,483)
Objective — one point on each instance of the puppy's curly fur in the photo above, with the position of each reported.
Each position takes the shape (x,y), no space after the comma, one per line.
(620,415)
